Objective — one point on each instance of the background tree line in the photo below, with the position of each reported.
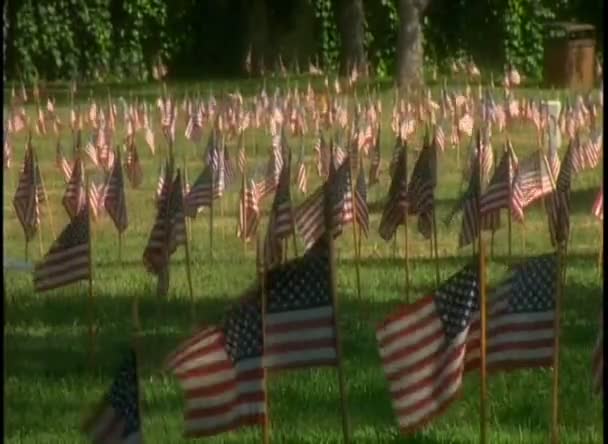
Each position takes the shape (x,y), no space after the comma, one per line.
(120,39)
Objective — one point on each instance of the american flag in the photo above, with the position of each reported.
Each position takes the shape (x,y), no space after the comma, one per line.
(310,214)
(74,198)
(169,230)
(361,210)
(96,198)
(422,347)
(194,128)
(375,160)
(117,419)
(280,223)
(439,138)
(558,205)
(302,176)
(251,216)
(469,204)
(339,155)
(91,151)
(587,154)
(299,318)
(532,181)
(465,124)
(520,323)
(399,142)
(598,205)
(62,163)
(322,156)
(220,371)
(26,201)
(68,259)
(230,173)
(597,364)
(396,204)
(421,189)
(208,186)
(273,170)
(498,192)
(114,199)
(242,155)
(162,186)
(133,167)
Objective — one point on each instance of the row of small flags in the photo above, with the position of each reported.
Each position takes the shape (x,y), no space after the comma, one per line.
(453,112)
(221,368)
(513,186)
(68,261)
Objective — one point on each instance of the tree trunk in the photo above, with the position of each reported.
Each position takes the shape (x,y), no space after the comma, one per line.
(5,35)
(351,25)
(258,36)
(410,54)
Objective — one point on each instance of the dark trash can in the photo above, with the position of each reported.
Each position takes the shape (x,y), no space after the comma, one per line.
(569,60)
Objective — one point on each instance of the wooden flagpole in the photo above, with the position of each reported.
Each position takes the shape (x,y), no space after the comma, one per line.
(436,248)
(556,348)
(483,400)
(405,231)
(509,223)
(46,197)
(188,269)
(355,224)
(188,222)
(213,174)
(243,188)
(333,289)
(91,312)
(119,232)
(261,271)
(293,214)
(600,254)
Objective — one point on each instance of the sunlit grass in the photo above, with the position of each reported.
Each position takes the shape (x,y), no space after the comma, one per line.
(49,386)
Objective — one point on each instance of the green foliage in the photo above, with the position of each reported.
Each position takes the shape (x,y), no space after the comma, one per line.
(329,39)
(119,39)
(524,22)
(96,39)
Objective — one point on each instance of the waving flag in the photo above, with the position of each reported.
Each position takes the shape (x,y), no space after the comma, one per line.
(74,198)
(169,230)
(396,204)
(532,181)
(422,347)
(114,197)
(26,201)
(220,371)
(67,260)
(421,189)
(209,185)
(280,223)
(310,214)
(375,160)
(62,163)
(558,206)
(300,319)
(249,212)
(117,419)
(133,167)
(520,327)
(497,195)
(362,213)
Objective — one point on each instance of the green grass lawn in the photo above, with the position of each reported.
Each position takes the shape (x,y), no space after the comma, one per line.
(49,387)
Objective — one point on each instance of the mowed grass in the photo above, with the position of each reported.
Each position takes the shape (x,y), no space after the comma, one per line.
(50,388)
